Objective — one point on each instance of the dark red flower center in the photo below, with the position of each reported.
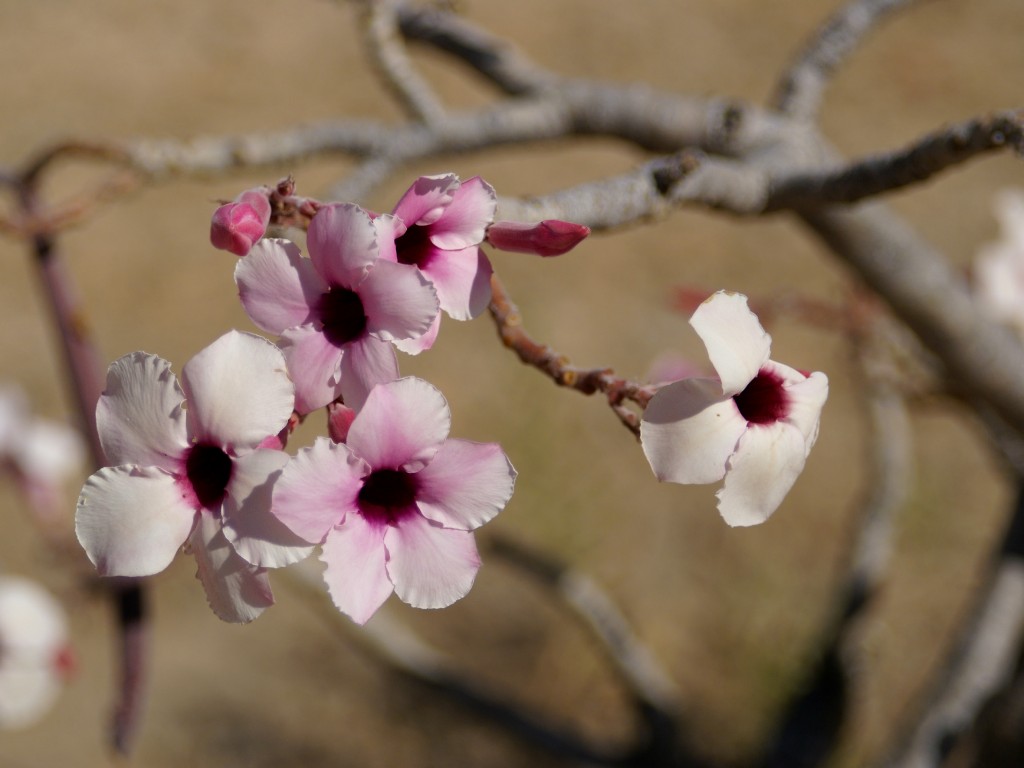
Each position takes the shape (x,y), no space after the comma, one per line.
(342,314)
(386,494)
(208,470)
(763,401)
(414,247)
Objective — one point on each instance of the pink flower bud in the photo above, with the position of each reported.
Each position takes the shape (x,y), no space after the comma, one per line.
(236,226)
(339,419)
(550,237)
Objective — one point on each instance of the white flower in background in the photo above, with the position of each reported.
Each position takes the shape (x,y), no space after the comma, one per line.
(41,454)
(753,425)
(35,657)
(999,267)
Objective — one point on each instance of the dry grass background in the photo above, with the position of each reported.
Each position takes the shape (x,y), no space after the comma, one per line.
(731,614)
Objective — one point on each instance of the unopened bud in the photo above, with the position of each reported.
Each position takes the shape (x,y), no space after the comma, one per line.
(235,227)
(550,237)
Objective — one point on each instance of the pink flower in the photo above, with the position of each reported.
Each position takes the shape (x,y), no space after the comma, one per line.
(337,312)
(550,237)
(396,506)
(193,475)
(754,425)
(236,226)
(999,268)
(438,226)
(35,657)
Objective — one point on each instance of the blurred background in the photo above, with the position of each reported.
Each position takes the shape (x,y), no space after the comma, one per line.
(733,615)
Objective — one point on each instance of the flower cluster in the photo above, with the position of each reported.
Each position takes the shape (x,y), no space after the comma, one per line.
(389,499)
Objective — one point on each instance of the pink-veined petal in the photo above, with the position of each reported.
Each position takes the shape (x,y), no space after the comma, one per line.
(689,430)
(401,425)
(389,228)
(132,520)
(356,577)
(431,566)
(420,343)
(465,484)
(466,218)
(238,391)
(318,488)
(367,362)
(399,301)
(426,200)
(767,462)
(256,534)
(806,396)
(737,344)
(314,365)
(342,242)
(139,415)
(278,288)
(237,591)
(462,280)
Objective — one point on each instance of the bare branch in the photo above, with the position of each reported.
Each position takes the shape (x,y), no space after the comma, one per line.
(387,53)
(558,368)
(489,56)
(918,162)
(802,87)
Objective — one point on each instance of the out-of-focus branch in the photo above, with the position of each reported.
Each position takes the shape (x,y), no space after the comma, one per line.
(485,54)
(386,51)
(918,162)
(558,368)
(982,662)
(87,381)
(802,87)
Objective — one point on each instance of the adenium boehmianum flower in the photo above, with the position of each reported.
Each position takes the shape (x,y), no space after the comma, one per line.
(195,475)
(339,311)
(754,425)
(394,508)
(236,226)
(35,657)
(438,226)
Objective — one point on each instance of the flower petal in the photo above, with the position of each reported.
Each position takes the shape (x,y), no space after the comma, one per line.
(314,365)
(426,200)
(465,220)
(342,242)
(737,344)
(399,301)
(139,415)
(389,228)
(356,577)
(462,280)
(465,484)
(237,591)
(238,391)
(402,425)
(31,619)
(366,363)
(431,566)
(420,343)
(278,288)
(256,534)
(807,396)
(132,520)
(689,431)
(767,462)
(318,488)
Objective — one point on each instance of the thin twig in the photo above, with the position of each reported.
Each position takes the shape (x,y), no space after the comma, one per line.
(920,161)
(386,52)
(802,87)
(558,368)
